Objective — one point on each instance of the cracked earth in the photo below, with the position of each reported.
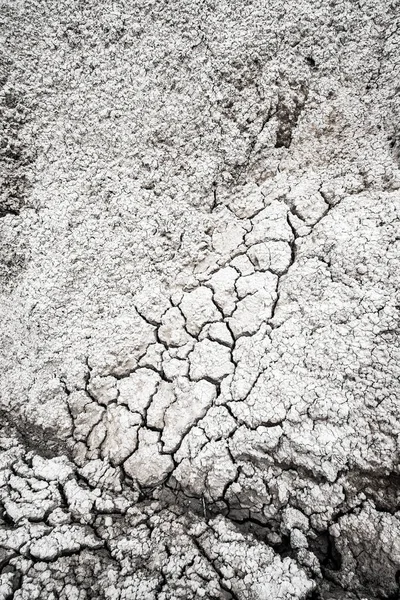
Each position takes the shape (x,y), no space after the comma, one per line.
(199,296)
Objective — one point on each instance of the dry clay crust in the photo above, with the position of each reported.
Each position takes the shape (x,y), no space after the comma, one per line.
(199,218)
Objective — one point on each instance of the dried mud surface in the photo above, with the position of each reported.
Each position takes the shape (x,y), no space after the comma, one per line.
(199,300)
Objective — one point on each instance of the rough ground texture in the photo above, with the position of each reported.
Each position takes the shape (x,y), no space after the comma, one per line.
(199,215)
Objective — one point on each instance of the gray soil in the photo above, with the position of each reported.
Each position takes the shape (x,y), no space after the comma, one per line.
(199,300)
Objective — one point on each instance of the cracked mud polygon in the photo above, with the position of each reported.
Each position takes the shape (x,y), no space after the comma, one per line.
(199,300)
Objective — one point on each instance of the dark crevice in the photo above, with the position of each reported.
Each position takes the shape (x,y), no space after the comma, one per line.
(44,441)
(288,112)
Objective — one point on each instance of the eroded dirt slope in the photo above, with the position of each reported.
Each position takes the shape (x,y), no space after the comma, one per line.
(199,279)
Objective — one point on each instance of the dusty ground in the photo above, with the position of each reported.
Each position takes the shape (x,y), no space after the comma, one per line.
(199,275)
